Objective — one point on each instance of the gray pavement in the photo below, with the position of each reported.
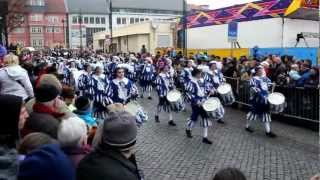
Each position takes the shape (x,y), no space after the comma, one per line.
(164,153)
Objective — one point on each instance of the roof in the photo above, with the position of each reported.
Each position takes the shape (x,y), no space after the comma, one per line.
(87,6)
(55,6)
(169,5)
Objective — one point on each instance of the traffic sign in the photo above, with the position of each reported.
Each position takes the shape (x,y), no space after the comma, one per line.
(233,31)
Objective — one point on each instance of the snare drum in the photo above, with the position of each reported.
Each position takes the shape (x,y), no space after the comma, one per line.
(213,108)
(277,102)
(226,94)
(136,110)
(176,102)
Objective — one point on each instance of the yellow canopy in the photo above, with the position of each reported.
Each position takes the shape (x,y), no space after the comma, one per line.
(295,5)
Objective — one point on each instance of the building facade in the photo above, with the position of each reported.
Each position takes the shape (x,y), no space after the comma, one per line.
(85,19)
(44,25)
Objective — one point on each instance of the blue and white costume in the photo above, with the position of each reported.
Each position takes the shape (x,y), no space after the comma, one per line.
(259,103)
(122,90)
(185,79)
(102,96)
(85,85)
(147,78)
(164,83)
(259,99)
(198,90)
(214,78)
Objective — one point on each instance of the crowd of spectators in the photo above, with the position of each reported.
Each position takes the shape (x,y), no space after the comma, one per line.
(284,70)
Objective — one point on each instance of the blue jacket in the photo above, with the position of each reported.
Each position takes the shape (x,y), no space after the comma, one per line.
(304,77)
(49,163)
(87,117)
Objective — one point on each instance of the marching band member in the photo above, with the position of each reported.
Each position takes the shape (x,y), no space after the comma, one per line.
(215,78)
(258,99)
(185,78)
(121,89)
(147,77)
(101,98)
(84,82)
(164,83)
(198,90)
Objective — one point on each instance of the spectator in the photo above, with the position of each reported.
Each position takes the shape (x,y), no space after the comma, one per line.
(313,81)
(13,117)
(278,73)
(68,96)
(84,111)
(34,141)
(113,158)
(72,135)
(14,79)
(47,162)
(41,122)
(229,174)
(305,75)
(3,52)
(294,72)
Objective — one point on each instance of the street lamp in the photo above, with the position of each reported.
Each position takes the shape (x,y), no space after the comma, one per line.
(63,30)
(110,24)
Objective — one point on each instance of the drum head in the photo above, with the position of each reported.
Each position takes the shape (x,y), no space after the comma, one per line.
(224,89)
(276,98)
(211,104)
(173,96)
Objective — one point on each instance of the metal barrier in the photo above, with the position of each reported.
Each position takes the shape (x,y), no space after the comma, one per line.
(302,103)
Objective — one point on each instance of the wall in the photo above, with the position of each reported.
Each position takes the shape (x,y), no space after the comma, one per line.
(266,33)
(294,26)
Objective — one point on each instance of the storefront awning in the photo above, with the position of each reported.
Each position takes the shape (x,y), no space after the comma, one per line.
(303,9)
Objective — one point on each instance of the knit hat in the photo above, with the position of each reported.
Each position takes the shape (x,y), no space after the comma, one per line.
(46,93)
(42,122)
(50,79)
(48,162)
(71,131)
(82,103)
(119,130)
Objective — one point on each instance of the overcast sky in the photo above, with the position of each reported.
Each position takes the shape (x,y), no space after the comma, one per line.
(215,4)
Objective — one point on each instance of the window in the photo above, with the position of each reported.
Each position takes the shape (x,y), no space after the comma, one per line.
(36,17)
(147,19)
(91,20)
(97,20)
(36,29)
(141,19)
(136,20)
(131,20)
(118,20)
(103,20)
(80,19)
(53,29)
(53,19)
(37,43)
(18,30)
(74,20)
(86,20)
(124,20)
(35,2)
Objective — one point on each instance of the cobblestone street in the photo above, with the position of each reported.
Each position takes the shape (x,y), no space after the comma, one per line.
(165,153)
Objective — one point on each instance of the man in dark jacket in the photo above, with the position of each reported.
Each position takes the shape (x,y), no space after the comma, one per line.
(113,158)
(278,70)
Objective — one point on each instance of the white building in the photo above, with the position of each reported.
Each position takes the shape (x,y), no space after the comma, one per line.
(95,16)
(265,33)
(131,38)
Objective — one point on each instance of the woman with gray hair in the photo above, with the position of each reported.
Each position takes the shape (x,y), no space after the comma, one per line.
(72,136)
(14,80)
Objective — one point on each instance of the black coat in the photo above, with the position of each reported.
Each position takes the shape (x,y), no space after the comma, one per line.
(107,165)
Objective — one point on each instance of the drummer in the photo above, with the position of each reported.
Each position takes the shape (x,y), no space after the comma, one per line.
(164,83)
(258,99)
(215,78)
(147,77)
(122,90)
(186,77)
(199,90)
